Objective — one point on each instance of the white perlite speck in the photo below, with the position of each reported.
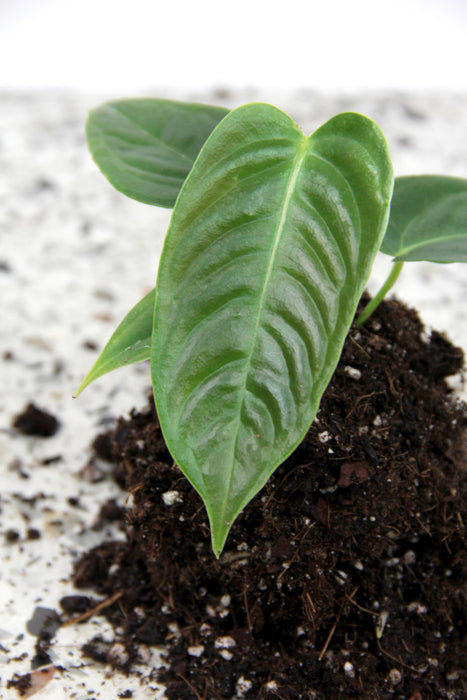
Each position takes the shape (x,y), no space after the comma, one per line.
(242,687)
(225,642)
(395,676)
(118,654)
(349,669)
(144,654)
(417,607)
(352,372)
(171,497)
(226,654)
(409,557)
(272,686)
(197,650)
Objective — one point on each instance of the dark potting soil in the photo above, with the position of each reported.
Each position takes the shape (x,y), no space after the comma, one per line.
(36,421)
(344,577)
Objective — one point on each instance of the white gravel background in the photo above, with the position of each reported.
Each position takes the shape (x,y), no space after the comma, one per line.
(74,256)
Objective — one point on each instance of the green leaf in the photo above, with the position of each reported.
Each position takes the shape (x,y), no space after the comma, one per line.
(428,219)
(146,147)
(131,341)
(269,248)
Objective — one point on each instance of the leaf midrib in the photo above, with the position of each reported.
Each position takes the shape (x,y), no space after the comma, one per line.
(284,213)
(429,241)
(153,137)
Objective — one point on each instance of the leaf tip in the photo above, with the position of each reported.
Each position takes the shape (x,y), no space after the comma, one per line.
(219,536)
(86,381)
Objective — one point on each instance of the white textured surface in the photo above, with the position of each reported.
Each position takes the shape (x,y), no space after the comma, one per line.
(74,257)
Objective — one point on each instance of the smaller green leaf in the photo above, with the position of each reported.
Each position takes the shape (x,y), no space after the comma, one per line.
(146,147)
(131,341)
(428,219)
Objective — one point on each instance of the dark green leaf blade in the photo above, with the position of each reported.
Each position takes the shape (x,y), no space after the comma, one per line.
(130,342)
(270,245)
(146,147)
(428,219)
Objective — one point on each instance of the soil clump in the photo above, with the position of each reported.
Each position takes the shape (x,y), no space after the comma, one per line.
(343,578)
(35,421)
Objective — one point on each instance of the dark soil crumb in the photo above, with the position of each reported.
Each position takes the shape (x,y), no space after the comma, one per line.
(47,461)
(102,447)
(344,578)
(5,266)
(72,604)
(12,536)
(90,345)
(110,512)
(41,657)
(31,683)
(33,534)
(21,683)
(35,421)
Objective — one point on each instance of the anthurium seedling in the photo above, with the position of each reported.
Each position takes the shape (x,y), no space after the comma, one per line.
(270,245)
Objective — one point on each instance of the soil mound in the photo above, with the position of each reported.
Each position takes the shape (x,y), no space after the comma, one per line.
(344,578)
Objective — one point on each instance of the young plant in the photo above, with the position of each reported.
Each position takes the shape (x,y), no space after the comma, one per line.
(270,245)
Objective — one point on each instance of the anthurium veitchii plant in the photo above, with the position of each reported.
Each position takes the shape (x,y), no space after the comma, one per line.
(271,242)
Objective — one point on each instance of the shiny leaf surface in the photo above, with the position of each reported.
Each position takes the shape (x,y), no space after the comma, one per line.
(269,248)
(428,219)
(131,341)
(146,147)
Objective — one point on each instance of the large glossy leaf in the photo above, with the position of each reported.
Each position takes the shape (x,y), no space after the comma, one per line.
(428,219)
(146,147)
(131,341)
(269,248)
